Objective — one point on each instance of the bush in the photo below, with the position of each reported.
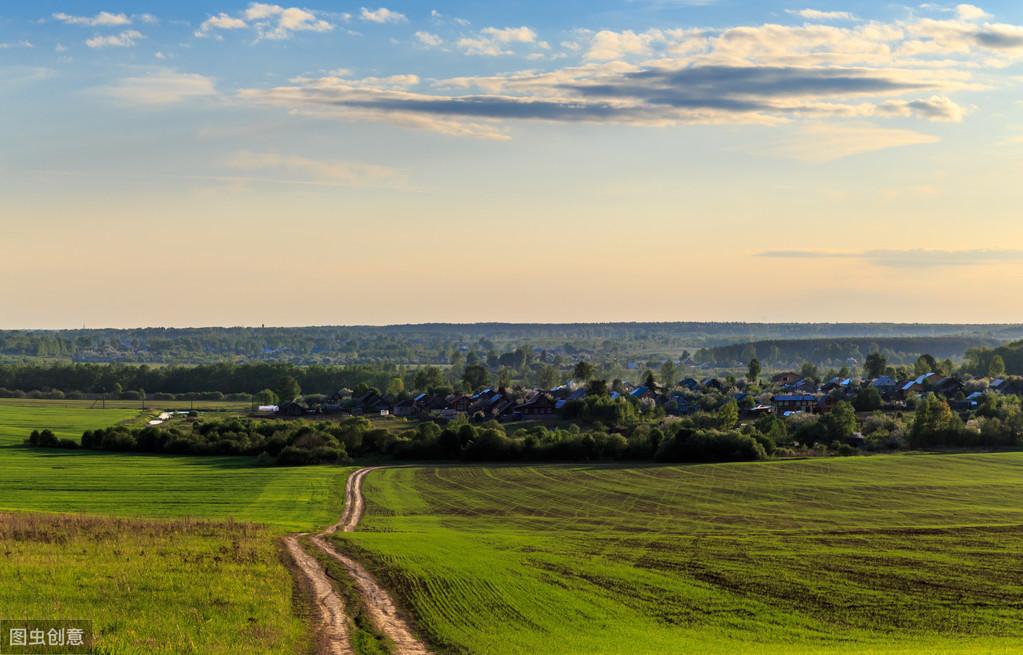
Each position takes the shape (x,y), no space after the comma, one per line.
(688,445)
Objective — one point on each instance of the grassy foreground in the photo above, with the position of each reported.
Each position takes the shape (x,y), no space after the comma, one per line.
(170,587)
(175,585)
(895,554)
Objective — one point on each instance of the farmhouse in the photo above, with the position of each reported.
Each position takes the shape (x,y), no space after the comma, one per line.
(796,402)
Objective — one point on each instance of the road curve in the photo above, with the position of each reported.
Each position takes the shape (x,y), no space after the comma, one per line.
(380,607)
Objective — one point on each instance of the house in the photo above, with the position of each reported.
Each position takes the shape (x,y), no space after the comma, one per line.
(405,408)
(886,386)
(796,402)
(369,402)
(642,393)
(802,385)
(950,387)
(758,411)
(916,385)
(713,383)
(681,405)
(786,378)
(460,404)
(540,405)
(1009,386)
(689,383)
(295,408)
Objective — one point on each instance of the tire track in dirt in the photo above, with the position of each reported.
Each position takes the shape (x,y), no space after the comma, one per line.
(332,632)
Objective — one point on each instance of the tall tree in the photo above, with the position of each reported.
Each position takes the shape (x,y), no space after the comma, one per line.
(583,371)
(875,365)
(753,373)
(997,367)
(475,376)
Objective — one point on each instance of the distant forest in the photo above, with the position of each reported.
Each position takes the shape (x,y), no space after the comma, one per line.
(835,352)
(611,344)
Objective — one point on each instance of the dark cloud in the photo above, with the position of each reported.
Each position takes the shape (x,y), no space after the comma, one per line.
(650,94)
(1000,39)
(501,107)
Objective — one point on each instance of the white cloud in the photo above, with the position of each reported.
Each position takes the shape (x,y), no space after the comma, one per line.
(816,14)
(165,87)
(510,34)
(304,170)
(17,44)
(272,22)
(970,12)
(607,45)
(382,15)
(935,108)
(102,19)
(826,78)
(126,39)
(221,21)
(429,40)
(495,41)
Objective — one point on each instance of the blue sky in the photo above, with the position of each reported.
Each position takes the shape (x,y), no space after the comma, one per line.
(156,147)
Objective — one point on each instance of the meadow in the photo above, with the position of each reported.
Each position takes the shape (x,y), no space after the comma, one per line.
(204,578)
(152,587)
(886,554)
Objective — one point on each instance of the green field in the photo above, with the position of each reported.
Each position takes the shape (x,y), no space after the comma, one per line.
(171,586)
(126,484)
(887,554)
(152,587)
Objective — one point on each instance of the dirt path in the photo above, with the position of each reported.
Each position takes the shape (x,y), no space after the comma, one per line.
(333,629)
(380,608)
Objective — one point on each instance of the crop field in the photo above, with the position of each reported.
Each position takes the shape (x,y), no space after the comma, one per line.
(886,554)
(136,580)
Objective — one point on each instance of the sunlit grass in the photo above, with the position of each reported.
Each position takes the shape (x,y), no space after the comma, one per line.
(900,554)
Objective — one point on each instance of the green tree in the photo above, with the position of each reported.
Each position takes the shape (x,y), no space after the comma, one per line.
(935,423)
(475,376)
(868,399)
(875,365)
(267,397)
(809,370)
(395,387)
(997,367)
(649,381)
(549,377)
(288,389)
(840,422)
(728,415)
(583,371)
(925,364)
(668,373)
(753,373)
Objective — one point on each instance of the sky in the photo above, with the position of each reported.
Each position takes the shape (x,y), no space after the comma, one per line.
(209,162)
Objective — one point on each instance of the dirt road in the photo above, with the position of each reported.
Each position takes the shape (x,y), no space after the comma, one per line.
(333,629)
(380,607)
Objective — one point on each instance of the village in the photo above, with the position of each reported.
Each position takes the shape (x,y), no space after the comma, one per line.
(783,394)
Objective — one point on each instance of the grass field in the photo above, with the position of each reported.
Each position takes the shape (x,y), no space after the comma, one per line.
(886,554)
(152,587)
(177,585)
(126,484)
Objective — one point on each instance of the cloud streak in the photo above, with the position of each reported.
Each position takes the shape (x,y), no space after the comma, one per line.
(908,258)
